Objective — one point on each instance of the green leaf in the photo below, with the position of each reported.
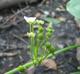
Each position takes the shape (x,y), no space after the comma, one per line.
(73,6)
(79,68)
(75,72)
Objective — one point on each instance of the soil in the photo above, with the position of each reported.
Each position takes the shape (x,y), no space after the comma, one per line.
(14,44)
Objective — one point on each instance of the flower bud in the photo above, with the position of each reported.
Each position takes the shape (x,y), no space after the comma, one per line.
(40,36)
(51,50)
(31,34)
(48,45)
(48,35)
(40,22)
(49,30)
(40,29)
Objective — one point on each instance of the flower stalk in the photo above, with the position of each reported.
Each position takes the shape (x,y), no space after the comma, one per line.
(40,42)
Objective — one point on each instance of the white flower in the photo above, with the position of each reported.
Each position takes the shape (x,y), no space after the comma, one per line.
(30,20)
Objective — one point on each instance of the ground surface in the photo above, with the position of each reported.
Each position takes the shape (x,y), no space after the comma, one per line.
(13,43)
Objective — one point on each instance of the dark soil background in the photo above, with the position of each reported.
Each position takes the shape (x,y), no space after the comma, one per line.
(13,42)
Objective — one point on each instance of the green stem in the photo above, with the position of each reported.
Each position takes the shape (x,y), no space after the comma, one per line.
(36,49)
(32,40)
(35,52)
(29,64)
(66,49)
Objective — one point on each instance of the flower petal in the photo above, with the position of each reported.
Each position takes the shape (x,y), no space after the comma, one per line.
(29,18)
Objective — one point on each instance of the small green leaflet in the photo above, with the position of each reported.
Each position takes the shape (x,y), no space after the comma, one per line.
(73,6)
(51,20)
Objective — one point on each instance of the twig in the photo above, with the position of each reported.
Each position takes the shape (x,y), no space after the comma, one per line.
(18,37)
(15,15)
(8,54)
